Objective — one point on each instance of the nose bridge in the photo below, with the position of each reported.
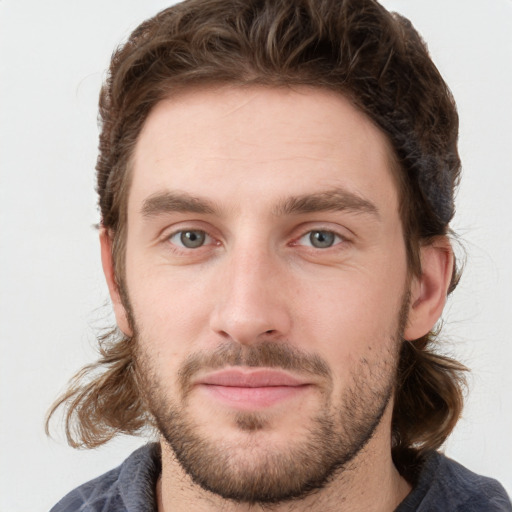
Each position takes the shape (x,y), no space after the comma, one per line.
(252,300)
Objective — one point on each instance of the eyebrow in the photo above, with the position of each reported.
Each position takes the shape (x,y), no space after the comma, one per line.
(336,199)
(178,202)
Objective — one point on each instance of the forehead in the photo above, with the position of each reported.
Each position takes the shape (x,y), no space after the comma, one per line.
(236,144)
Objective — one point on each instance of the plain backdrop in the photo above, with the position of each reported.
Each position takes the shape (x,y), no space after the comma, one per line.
(52,296)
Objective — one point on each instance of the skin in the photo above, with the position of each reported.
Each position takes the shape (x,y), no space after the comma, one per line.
(246,153)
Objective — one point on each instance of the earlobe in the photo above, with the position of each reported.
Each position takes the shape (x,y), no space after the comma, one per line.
(429,290)
(113,288)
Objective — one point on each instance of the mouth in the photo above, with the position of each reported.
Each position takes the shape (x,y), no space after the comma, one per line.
(251,389)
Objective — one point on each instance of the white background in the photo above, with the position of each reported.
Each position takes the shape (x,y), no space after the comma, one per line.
(52,296)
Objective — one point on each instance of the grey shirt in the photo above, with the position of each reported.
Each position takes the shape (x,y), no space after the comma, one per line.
(443,485)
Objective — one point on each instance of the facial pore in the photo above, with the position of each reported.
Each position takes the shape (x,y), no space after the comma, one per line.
(254,470)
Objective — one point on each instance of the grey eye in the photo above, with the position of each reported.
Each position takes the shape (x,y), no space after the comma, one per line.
(322,239)
(191,239)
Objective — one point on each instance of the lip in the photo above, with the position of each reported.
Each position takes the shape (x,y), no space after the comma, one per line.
(251,389)
(258,378)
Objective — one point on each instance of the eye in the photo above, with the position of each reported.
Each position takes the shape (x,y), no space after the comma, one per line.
(320,239)
(190,239)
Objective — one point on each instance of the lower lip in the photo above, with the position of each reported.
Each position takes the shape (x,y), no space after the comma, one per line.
(253,398)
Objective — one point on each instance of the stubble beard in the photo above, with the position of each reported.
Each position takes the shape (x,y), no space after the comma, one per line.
(256,472)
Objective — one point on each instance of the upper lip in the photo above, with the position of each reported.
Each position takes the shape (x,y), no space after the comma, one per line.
(250,378)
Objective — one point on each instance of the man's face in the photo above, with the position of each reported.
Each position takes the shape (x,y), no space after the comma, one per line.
(267,277)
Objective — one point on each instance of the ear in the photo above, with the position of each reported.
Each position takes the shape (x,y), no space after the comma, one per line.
(113,288)
(430,289)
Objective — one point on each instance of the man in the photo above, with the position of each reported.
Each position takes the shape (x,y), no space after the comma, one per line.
(276,183)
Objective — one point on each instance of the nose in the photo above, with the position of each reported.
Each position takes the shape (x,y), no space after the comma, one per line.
(252,300)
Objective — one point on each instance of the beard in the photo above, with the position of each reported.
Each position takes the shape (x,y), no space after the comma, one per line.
(249,468)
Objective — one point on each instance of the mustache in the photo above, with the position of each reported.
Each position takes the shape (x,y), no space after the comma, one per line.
(267,354)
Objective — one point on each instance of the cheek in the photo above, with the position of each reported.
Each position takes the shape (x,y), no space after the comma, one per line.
(351,321)
(354,308)
(170,313)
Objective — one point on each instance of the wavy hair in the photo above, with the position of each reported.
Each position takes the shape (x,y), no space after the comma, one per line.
(353,47)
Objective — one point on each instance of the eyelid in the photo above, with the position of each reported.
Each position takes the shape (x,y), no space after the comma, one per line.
(342,232)
(170,229)
(208,238)
(169,232)
(338,238)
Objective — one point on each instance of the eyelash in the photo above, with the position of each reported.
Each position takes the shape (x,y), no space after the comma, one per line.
(337,238)
(178,244)
(181,232)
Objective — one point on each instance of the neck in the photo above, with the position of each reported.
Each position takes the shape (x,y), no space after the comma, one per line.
(371,483)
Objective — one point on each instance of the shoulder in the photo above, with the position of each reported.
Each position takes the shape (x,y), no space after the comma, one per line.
(446,485)
(129,487)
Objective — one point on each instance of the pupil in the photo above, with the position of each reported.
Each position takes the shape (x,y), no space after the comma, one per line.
(192,239)
(321,239)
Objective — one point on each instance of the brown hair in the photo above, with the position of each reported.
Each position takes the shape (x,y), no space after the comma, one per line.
(353,47)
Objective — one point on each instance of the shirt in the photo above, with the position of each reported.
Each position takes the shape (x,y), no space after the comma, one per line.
(443,485)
